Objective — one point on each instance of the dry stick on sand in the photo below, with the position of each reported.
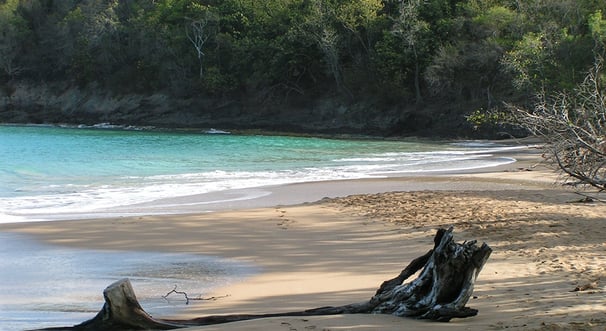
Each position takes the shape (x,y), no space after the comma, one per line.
(439,293)
(188,299)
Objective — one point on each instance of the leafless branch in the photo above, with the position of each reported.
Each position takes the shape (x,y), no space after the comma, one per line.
(573,126)
(188,299)
(198,33)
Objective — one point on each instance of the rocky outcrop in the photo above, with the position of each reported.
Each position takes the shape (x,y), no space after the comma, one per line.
(60,104)
(51,104)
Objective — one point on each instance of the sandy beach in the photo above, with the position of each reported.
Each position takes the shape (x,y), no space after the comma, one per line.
(321,244)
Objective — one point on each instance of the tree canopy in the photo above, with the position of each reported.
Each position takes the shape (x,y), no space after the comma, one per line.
(475,53)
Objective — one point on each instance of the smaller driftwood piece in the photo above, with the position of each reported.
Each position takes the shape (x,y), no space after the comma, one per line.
(439,293)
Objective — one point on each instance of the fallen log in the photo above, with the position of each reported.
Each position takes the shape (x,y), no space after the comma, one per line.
(439,293)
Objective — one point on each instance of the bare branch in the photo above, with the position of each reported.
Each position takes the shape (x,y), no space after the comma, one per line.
(188,299)
(197,33)
(573,126)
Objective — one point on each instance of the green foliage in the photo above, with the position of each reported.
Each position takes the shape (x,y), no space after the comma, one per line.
(477,52)
(481,117)
(216,82)
(597,27)
(501,24)
(13,30)
(529,59)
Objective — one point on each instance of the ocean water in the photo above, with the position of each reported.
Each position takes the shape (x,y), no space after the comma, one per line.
(51,172)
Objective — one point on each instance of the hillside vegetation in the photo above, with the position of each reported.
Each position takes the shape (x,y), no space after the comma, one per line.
(361,66)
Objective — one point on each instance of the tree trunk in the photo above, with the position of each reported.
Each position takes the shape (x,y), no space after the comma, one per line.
(440,293)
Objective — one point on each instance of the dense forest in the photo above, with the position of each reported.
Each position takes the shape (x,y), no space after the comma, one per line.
(365,66)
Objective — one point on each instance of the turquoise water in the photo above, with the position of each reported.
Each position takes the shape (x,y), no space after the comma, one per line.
(46,171)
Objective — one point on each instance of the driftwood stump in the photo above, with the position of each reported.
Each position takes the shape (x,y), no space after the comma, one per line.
(439,293)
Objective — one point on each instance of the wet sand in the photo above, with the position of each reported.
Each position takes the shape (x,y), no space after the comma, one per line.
(546,271)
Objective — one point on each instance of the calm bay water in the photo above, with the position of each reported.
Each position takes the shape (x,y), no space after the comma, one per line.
(50,171)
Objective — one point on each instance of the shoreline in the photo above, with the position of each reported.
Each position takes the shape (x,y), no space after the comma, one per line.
(510,174)
(523,156)
(317,252)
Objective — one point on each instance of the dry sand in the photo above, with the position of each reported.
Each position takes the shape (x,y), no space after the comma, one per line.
(546,272)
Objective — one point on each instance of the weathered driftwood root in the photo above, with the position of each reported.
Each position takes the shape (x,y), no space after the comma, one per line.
(443,287)
(439,293)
